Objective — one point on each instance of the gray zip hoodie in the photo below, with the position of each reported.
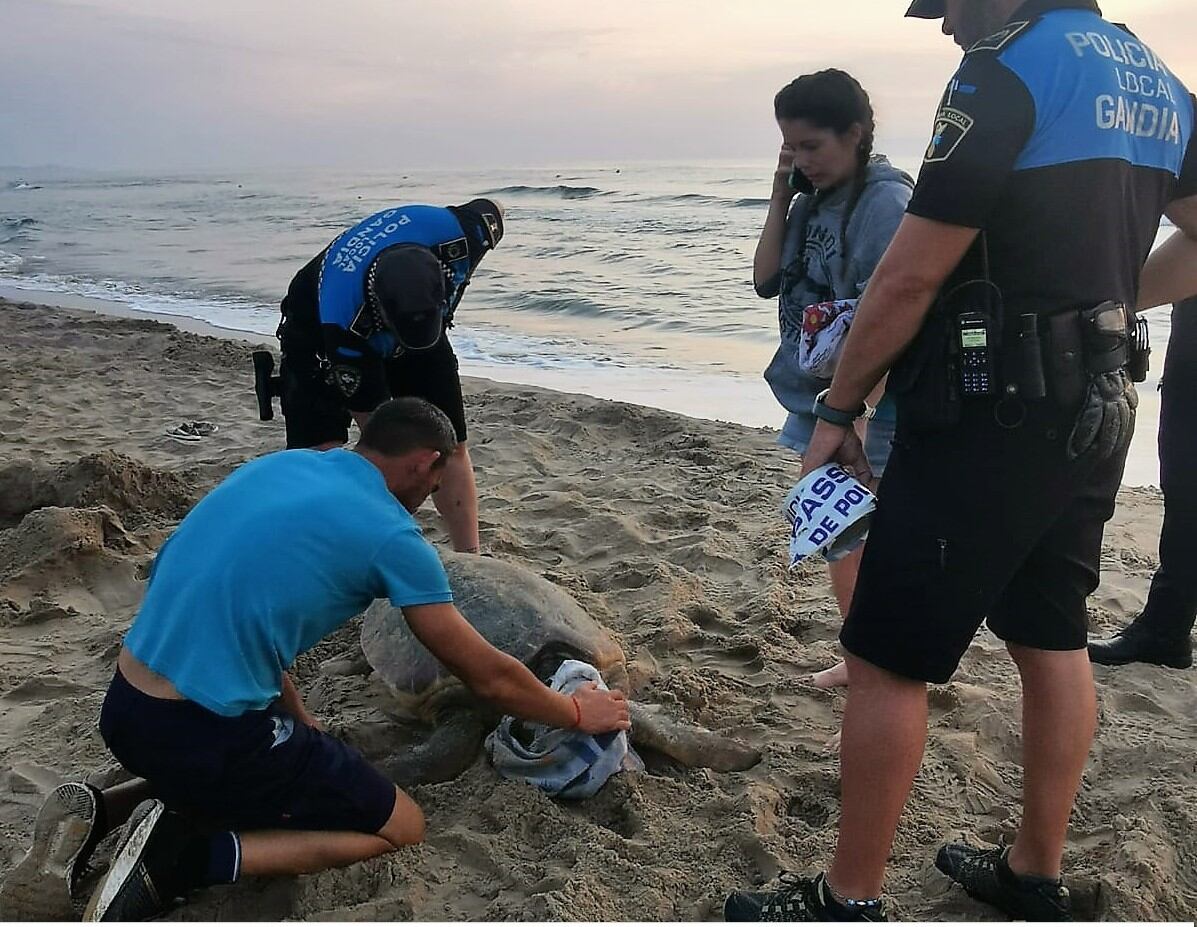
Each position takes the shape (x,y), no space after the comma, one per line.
(814,270)
(873,223)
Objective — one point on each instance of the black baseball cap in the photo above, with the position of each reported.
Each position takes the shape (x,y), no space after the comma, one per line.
(927,9)
(482,217)
(407,287)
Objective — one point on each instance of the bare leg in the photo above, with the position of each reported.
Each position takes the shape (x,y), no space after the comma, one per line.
(1059,718)
(284,852)
(457,501)
(843,579)
(843,583)
(885,729)
(120,800)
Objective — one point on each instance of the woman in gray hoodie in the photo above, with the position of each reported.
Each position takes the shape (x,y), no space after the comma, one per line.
(834,208)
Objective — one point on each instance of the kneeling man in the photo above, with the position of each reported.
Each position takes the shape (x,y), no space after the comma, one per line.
(283,552)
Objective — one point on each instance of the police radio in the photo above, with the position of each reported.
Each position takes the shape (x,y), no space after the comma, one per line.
(977,364)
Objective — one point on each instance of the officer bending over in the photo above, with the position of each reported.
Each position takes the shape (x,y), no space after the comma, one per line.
(366,320)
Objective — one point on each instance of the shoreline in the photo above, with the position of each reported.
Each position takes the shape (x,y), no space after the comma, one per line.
(707,397)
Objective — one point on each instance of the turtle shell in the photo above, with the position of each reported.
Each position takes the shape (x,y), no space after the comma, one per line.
(516,610)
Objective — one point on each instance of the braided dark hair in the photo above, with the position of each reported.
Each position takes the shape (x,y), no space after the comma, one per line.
(833,99)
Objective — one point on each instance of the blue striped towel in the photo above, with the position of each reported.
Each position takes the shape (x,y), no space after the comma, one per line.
(564,763)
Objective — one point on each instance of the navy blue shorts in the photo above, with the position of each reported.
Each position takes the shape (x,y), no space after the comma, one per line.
(263,769)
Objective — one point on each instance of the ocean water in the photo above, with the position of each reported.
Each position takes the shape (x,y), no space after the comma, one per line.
(628,282)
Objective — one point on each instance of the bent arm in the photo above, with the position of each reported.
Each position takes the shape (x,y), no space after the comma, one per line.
(766,261)
(891,312)
(489,672)
(1170,274)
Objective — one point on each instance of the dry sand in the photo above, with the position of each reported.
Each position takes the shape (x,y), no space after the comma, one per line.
(666,529)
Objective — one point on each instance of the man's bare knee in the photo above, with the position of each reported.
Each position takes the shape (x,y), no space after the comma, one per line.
(863,674)
(406,824)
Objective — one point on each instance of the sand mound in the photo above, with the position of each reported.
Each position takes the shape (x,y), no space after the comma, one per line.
(127,487)
(59,561)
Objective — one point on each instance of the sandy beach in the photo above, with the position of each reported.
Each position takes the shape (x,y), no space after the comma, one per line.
(666,529)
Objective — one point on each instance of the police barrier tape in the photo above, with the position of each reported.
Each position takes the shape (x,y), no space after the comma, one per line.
(829,511)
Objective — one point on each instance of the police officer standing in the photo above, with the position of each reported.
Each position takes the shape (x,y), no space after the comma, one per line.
(365,321)
(1161,634)
(1003,299)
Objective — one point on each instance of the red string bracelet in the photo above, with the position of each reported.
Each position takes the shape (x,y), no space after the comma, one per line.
(577,712)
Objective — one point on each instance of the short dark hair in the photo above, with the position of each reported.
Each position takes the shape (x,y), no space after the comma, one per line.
(408,424)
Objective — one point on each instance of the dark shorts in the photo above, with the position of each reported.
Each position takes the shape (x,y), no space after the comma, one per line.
(316,414)
(980,523)
(263,769)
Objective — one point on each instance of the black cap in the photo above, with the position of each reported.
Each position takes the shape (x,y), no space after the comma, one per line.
(407,287)
(927,9)
(486,217)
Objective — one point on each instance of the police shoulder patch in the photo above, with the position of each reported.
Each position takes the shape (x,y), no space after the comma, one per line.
(951,125)
(998,40)
(346,378)
(453,250)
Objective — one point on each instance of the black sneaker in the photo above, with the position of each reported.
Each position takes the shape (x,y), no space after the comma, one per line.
(143,878)
(1134,644)
(797,900)
(986,876)
(64,836)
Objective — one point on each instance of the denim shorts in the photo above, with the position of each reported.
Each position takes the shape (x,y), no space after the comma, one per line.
(260,770)
(798,427)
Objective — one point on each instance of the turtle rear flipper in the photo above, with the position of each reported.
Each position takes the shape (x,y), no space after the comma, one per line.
(689,744)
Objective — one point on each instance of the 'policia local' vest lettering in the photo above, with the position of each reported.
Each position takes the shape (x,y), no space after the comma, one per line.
(1064,138)
(1125,103)
(348,259)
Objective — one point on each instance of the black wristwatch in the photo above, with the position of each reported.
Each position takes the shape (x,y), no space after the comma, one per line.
(838,417)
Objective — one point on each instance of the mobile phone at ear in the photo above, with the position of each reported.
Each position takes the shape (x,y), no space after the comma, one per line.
(799,182)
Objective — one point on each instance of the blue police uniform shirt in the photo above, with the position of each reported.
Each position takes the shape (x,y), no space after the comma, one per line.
(1064,138)
(279,555)
(326,311)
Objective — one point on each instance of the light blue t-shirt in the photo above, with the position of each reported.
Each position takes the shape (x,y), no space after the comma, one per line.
(283,552)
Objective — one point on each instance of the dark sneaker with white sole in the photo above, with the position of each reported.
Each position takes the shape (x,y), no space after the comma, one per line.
(41,886)
(986,876)
(798,899)
(143,879)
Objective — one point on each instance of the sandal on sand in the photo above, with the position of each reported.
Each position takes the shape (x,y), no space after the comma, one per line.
(190,432)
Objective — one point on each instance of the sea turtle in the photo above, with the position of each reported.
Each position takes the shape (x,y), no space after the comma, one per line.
(541,625)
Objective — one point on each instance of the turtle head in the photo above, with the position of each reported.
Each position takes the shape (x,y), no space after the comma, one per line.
(546,661)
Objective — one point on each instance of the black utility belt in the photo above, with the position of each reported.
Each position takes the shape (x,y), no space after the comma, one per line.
(971,349)
(1081,344)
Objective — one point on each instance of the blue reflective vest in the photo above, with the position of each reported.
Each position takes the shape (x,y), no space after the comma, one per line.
(347,262)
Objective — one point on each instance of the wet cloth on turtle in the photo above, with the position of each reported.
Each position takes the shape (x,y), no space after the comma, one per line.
(564,763)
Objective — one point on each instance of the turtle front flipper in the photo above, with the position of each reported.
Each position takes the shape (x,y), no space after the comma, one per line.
(689,744)
(450,750)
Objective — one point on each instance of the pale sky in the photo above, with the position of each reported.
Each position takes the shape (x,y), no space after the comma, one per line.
(165,85)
